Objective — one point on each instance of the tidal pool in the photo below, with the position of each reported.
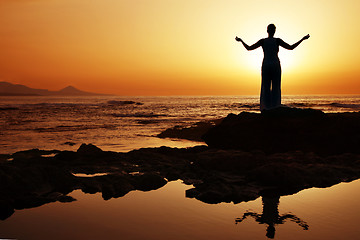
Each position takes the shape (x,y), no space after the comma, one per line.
(329,213)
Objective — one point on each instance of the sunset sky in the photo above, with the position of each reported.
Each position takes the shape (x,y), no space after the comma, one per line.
(173,47)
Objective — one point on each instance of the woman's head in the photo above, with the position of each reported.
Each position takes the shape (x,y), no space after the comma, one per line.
(271,29)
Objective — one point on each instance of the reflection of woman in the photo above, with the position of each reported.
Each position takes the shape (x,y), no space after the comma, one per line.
(270,95)
(270,216)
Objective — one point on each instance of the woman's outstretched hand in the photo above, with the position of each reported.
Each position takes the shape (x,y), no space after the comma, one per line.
(306,37)
(238,39)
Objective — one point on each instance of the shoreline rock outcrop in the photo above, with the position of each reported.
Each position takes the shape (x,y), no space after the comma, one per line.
(240,163)
(288,129)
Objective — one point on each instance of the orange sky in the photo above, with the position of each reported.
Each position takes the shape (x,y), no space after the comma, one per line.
(171,47)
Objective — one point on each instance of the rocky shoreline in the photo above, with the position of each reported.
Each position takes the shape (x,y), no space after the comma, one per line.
(217,173)
(279,130)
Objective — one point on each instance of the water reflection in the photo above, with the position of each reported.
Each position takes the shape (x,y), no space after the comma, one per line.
(271,217)
(31,180)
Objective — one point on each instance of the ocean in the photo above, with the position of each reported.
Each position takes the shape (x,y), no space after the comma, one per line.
(121,124)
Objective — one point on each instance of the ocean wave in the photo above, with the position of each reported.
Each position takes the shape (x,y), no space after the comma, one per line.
(344,105)
(64,128)
(55,105)
(300,104)
(148,121)
(8,108)
(244,105)
(138,115)
(235,105)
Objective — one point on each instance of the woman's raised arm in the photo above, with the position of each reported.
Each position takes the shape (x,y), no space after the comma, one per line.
(291,47)
(252,47)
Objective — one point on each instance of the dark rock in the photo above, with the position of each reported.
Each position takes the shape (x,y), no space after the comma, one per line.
(66,156)
(173,175)
(288,129)
(6,210)
(31,155)
(193,132)
(91,154)
(122,103)
(4,157)
(278,174)
(89,150)
(289,112)
(227,160)
(217,175)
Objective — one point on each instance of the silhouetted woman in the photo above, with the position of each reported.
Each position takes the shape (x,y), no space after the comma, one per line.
(270,96)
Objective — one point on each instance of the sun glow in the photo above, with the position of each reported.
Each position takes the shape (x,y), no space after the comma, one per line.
(288,60)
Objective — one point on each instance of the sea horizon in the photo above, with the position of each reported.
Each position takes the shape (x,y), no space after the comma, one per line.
(124,123)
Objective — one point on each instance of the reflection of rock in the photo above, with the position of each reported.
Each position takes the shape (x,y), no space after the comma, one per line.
(32,178)
(114,186)
(233,175)
(149,181)
(218,191)
(25,185)
(288,129)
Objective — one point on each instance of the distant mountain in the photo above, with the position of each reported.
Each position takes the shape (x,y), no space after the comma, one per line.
(9,89)
(72,91)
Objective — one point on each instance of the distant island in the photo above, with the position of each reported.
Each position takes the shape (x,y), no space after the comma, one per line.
(9,89)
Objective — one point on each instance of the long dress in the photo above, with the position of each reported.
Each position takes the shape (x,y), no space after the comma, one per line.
(270,96)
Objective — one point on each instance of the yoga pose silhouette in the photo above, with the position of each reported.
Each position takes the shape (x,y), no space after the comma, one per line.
(270,95)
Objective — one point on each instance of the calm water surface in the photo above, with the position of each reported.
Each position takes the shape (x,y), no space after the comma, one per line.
(165,213)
